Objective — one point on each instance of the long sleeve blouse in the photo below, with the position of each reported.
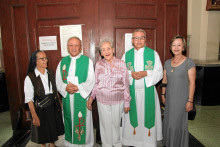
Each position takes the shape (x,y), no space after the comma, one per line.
(112,83)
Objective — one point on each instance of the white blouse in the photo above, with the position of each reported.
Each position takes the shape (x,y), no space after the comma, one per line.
(29,88)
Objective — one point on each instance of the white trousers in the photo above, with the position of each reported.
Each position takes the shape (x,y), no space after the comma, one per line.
(109,121)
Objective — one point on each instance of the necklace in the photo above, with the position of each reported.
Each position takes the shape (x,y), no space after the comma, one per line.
(175,63)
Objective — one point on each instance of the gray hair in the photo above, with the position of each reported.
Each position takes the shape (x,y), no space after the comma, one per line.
(139,30)
(106,41)
(74,37)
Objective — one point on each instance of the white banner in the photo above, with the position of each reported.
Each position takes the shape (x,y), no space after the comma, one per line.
(66,32)
(128,43)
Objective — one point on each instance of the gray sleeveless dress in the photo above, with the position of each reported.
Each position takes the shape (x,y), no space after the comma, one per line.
(175,123)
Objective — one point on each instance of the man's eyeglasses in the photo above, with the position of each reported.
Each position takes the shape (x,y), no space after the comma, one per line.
(43,58)
(137,38)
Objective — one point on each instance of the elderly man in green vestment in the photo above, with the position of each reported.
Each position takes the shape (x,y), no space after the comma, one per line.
(142,126)
(75,80)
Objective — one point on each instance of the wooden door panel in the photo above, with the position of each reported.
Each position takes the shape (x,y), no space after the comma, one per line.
(171,25)
(53,55)
(131,15)
(71,14)
(120,39)
(135,10)
(64,10)
(21,44)
(15,49)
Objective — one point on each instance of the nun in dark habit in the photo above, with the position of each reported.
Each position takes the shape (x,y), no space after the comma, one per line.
(42,99)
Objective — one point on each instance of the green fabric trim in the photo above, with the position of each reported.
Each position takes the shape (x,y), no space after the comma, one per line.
(66,101)
(82,66)
(129,59)
(149,92)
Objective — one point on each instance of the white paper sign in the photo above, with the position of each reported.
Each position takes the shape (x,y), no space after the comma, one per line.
(128,43)
(48,42)
(66,32)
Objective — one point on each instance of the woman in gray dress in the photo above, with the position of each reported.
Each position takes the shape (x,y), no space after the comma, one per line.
(178,86)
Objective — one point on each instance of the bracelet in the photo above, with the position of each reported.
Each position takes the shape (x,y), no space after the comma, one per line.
(190,101)
(163,84)
(163,94)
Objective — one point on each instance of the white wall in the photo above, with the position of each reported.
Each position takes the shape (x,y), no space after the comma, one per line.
(203,30)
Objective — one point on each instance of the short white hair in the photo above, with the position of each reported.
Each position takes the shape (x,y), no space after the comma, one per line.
(106,41)
(74,37)
(139,30)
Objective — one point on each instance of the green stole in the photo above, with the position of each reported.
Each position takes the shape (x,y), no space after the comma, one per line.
(149,92)
(80,109)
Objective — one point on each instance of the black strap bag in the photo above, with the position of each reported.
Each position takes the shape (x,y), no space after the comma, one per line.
(45,101)
(192,113)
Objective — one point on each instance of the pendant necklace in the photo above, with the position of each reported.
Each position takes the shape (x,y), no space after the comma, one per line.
(174,64)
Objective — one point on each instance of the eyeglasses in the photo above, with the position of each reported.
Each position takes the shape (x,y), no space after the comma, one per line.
(137,38)
(43,58)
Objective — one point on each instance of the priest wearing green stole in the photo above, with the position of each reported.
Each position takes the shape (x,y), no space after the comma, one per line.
(142,126)
(75,80)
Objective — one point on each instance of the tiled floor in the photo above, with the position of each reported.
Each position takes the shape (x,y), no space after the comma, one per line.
(59,143)
(206,127)
(5,127)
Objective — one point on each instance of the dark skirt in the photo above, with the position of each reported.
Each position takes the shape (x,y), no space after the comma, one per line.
(51,125)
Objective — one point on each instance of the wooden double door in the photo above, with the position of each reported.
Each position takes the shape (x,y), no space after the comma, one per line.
(23,21)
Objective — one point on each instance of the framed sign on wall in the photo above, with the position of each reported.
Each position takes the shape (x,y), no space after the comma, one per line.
(213,5)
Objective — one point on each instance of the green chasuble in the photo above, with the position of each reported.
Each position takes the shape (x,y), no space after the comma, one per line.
(78,136)
(149,92)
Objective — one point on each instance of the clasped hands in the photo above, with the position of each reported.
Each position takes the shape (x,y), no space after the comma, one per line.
(138,75)
(71,88)
(89,105)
